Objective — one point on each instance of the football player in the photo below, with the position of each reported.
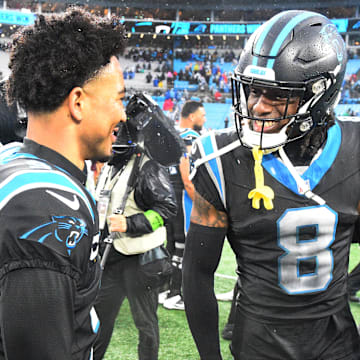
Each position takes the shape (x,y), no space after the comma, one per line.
(66,75)
(284,189)
(192,120)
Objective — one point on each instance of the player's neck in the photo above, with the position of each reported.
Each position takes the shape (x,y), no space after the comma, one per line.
(185,123)
(56,132)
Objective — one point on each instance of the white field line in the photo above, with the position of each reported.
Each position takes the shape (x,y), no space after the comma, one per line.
(226,276)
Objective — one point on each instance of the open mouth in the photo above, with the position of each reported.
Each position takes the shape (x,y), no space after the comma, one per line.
(269,126)
(114,134)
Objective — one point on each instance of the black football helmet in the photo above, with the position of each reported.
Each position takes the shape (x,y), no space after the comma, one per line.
(295,54)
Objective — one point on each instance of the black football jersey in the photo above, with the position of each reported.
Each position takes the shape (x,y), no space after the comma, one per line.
(48,221)
(188,135)
(293,259)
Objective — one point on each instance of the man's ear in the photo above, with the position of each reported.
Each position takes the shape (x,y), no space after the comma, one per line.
(76,101)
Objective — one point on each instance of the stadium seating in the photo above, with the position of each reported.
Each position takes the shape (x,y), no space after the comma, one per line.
(216,114)
(352,67)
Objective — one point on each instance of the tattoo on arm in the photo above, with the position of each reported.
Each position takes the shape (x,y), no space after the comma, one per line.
(203,213)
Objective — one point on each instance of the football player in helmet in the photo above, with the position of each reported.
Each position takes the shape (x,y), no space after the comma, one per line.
(283,188)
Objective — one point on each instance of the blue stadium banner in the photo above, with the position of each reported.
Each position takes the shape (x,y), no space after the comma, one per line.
(354,25)
(190,28)
(216,28)
(16,17)
(341,24)
(233,29)
(178,27)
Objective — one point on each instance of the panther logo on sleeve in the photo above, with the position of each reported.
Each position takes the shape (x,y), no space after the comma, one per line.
(66,230)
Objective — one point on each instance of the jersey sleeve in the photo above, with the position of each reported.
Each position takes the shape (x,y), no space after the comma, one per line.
(46,228)
(202,180)
(42,306)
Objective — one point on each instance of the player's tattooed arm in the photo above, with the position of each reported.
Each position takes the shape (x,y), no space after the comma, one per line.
(203,213)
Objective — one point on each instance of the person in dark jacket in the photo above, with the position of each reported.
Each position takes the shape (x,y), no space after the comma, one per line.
(13,119)
(150,203)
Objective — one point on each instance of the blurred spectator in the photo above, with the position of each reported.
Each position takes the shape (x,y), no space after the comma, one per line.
(218,96)
(148,78)
(168,105)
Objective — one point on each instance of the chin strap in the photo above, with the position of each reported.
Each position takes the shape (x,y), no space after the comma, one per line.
(261,191)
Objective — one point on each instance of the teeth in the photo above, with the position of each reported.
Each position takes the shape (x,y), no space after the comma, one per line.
(267,124)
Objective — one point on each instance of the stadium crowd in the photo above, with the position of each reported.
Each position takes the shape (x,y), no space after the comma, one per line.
(207,70)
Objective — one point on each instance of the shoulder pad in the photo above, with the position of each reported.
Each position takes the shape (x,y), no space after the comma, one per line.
(208,150)
(213,145)
(8,151)
(25,175)
(61,234)
(189,134)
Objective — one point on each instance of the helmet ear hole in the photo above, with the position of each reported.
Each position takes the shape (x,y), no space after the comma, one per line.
(316,24)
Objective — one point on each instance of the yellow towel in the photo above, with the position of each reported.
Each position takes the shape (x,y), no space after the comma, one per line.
(261,191)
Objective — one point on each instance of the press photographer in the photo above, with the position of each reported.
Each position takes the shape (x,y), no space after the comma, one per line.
(135,199)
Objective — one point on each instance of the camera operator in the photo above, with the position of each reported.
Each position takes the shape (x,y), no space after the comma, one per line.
(149,204)
(13,119)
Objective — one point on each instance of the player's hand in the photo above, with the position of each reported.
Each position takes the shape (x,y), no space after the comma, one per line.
(117,223)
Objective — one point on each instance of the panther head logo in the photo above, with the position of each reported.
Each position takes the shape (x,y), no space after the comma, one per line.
(65,229)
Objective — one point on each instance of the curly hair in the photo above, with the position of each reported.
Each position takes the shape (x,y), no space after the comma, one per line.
(58,53)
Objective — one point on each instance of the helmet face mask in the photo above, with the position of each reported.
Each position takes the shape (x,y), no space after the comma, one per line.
(300,80)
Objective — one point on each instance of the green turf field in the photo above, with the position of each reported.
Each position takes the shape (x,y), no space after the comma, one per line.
(176,342)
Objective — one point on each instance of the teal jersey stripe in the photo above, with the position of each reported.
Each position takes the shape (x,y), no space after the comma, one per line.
(22,181)
(316,170)
(209,149)
(189,132)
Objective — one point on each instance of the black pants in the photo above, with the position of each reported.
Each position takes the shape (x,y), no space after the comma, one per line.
(232,314)
(175,235)
(331,338)
(354,280)
(175,228)
(122,279)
